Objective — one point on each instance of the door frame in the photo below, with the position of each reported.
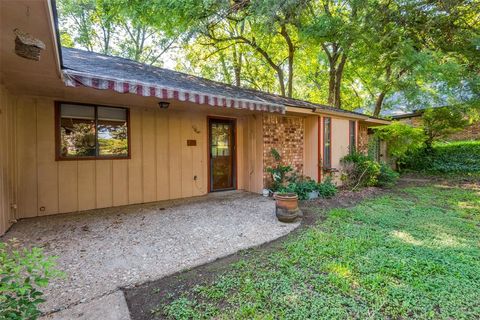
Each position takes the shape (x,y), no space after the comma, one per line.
(234,155)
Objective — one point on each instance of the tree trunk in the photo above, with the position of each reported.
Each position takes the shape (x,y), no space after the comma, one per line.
(379,103)
(338,82)
(331,84)
(281,80)
(237,66)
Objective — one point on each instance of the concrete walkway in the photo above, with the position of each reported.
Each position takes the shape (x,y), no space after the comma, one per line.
(105,249)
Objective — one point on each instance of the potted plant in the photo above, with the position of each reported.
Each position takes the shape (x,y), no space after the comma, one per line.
(286,200)
(286,206)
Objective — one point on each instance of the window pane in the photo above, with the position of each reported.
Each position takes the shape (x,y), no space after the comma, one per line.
(112,131)
(326,142)
(77,131)
(352,136)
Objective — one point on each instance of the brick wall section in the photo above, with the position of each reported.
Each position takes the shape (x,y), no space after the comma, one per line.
(286,134)
(363,138)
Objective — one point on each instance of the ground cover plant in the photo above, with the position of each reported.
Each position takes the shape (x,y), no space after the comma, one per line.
(413,253)
(23,274)
(447,157)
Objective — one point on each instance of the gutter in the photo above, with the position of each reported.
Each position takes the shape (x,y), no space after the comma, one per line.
(53,17)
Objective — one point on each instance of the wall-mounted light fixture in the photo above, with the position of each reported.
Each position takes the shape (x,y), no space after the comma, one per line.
(164,104)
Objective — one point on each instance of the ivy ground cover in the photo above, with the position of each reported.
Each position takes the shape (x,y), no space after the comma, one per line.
(414,253)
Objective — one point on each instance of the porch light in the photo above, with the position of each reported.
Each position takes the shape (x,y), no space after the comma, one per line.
(164,104)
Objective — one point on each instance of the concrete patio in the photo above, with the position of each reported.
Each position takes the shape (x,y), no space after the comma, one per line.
(105,249)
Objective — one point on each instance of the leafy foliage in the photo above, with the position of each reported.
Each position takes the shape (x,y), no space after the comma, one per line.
(346,53)
(440,122)
(359,170)
(448,157)
(387,177)
(22,274)
(278,172)
(401,138)
(302,186)
(411,255)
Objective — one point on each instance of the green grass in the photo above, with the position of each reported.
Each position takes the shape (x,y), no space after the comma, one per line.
(414,254)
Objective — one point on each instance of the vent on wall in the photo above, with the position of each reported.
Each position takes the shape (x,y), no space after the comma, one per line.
(27,46)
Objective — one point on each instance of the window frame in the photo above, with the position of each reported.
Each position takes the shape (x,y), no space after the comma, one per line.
(325,167)
(58,117)
(352,133)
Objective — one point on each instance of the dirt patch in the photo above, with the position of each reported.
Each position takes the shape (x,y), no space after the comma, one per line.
(148,297)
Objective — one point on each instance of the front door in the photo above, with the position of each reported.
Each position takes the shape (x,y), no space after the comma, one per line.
(221,134)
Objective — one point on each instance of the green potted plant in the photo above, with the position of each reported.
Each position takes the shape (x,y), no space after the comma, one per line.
(286,200)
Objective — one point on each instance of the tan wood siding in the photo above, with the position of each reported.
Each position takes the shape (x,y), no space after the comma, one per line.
(311,147)
(161,167)
(7,159)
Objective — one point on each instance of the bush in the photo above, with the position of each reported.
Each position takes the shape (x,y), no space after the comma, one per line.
(447,157)
(23,273)
(401,139)
(387,177)
(359,170)
(302,186)
(327,188)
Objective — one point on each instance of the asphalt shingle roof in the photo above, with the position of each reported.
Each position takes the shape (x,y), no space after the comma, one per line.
(126,69)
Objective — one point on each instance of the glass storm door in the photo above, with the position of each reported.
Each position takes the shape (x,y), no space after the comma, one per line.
(222,154)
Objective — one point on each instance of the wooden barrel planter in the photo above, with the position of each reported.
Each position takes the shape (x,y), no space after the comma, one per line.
(286,207)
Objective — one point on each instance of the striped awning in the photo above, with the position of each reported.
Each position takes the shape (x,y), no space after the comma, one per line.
(76,79)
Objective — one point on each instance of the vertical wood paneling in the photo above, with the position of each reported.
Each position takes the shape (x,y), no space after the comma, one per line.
(135,175)
(162,137)
(186,156)
(67,186)
(175,153)
(148,156)
(87,194)
(240,154)
(7,154)
(27,157)
(311,147)
(47,171)
(199,155)
(246,156)
(258,142)
(120,182)
(161,167)
(104,187)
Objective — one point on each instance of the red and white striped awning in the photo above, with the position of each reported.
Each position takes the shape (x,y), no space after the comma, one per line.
(77,79)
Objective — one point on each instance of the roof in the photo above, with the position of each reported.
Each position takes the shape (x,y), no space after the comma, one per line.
(76,61)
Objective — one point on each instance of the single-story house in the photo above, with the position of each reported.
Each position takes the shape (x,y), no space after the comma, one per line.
(81,130)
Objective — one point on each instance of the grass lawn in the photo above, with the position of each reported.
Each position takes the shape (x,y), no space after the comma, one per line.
(414,253)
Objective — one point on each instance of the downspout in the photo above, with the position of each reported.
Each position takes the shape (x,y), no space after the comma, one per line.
(53,17)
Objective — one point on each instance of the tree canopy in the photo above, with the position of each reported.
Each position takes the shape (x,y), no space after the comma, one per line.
(346,53)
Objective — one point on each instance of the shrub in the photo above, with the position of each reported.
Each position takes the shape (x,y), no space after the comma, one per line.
(387,177)
(327,188)
(302,186)
(401,139)
(359,170)
(23,273)
(448,157)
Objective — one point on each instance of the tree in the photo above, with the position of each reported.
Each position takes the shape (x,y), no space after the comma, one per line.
(401,139)
(117,27)
(441,122)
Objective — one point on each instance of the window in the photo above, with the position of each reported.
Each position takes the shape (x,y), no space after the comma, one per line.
(91,132)
(327,143)
(352,136)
